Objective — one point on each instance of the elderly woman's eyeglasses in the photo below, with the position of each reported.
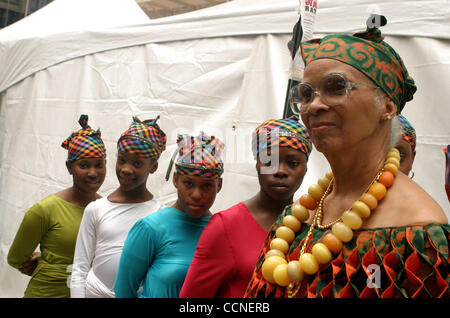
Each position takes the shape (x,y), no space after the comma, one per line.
(334,89)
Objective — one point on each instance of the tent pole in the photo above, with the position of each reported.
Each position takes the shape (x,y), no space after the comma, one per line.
(27,7)
(296,37)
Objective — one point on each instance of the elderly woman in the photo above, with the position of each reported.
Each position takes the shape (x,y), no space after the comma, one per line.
(367,230)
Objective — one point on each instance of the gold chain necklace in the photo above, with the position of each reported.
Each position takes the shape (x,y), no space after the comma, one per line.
(319,209)
(276,269)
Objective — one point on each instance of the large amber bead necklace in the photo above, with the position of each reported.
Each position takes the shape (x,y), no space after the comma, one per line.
(276,269)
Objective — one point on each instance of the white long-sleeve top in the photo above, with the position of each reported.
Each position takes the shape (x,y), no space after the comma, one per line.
(103,230)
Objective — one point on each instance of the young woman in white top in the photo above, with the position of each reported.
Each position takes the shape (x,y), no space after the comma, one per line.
(106,222)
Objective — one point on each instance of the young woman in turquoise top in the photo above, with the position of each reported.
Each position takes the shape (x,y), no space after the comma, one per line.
(159,248)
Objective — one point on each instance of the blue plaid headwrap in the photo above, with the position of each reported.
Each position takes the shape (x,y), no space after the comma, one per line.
(408,132)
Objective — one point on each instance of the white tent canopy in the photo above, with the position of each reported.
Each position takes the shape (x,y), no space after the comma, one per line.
(35,43)
(222,70)
(57,32)
(66,16)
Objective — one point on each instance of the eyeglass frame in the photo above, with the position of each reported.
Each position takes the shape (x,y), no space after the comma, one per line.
(348,87)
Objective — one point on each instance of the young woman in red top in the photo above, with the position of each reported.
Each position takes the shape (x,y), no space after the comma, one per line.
(230,244)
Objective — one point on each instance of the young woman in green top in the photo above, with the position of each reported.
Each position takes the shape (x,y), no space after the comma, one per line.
(54,221)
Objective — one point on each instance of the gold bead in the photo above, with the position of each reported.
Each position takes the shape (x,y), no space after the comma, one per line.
(361,208)
(342,232)
(352,220)
(295,272)
(271,253)
(378,190)
(285,233)
(369,200)
(321,252)
(329,175)
(292,222)
(300,212)
(316,191)
(393,154)
(324,182)
(308,201)
(308,263)
(280,275)
(333,243)
(393,149)
(392,168)
(269,266)
(394,161)
(279,244)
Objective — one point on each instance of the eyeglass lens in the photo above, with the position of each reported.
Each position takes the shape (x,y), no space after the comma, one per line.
(332,90)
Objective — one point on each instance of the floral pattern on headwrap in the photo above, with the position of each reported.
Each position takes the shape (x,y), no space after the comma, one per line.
(367,52)
(286,132)
(84,143)
(143,138)
(408,132)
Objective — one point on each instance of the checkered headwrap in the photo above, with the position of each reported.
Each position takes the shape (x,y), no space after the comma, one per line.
(84,143)
(287,132)
(408,132)
(143,138)
(198,156)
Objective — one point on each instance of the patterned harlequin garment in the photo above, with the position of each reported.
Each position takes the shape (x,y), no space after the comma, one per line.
(408,261)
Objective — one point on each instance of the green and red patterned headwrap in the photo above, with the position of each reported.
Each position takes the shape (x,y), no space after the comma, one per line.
(84,143)
(408,132)
(143,138)
(367,52)
(287,132)
(199,156)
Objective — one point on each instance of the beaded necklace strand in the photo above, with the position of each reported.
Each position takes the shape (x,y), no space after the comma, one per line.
(276,269)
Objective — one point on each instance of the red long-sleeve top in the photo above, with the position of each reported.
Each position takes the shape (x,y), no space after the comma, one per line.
(225,256)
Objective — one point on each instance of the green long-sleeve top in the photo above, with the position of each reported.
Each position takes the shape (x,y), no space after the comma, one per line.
(53,223)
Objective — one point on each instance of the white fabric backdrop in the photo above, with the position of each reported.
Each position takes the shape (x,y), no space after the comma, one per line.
(224,85)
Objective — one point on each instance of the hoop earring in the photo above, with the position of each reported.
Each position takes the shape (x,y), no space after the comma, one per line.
(412,176)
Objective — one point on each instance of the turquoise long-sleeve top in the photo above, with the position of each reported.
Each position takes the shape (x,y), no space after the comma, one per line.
(157,253)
